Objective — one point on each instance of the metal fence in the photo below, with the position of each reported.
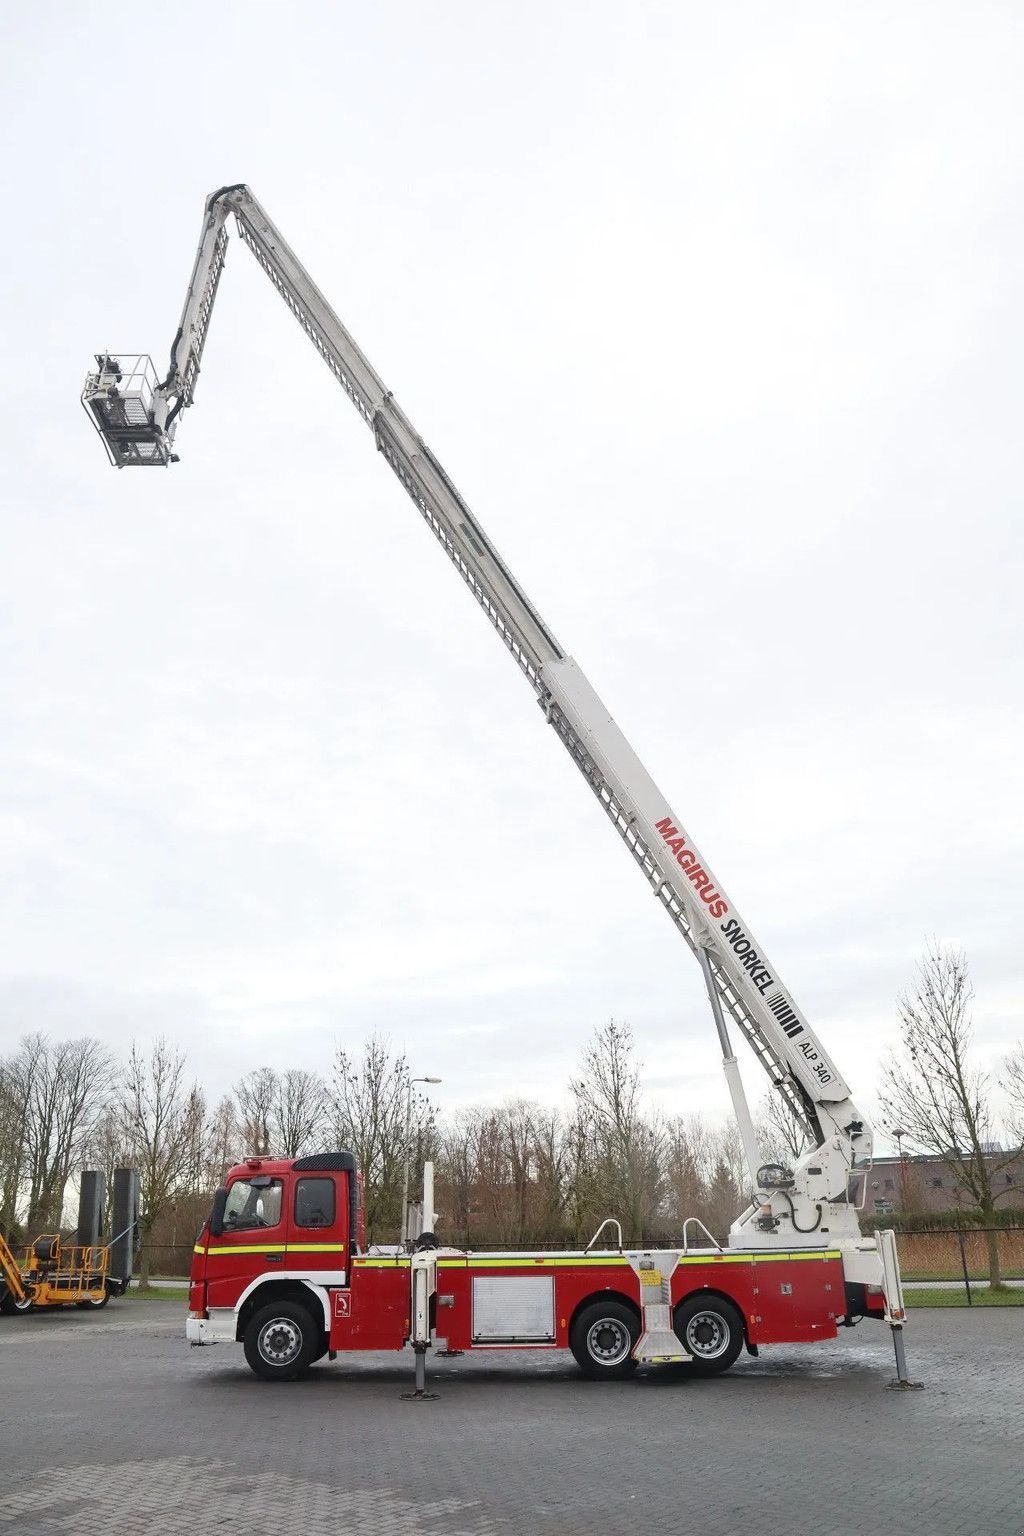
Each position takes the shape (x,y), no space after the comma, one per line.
(961,1255)
(169,1261)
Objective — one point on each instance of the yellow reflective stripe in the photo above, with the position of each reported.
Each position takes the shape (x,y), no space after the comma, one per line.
(778,1258)
(531,1263)
(599,1261)
(274,1248)
(277,1248)
(757,1258)
(720,1258)
(316,1248)
(249,1248)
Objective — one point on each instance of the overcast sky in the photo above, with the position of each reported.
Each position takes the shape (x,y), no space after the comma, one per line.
(713,314)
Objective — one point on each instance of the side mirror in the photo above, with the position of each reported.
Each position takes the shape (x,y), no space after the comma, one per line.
(220,1200)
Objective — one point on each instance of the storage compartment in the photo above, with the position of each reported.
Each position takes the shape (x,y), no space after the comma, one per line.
(513,1309)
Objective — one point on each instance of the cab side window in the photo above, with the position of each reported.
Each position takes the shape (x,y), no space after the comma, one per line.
(253,1202)
(314,1203)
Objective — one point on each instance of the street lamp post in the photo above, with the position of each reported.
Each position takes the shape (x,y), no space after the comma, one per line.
(404,1239)
(899,1134)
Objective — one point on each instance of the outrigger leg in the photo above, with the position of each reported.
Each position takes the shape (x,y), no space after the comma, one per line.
(895,1308)
(423,1277)
(420,1395)
(901,1381)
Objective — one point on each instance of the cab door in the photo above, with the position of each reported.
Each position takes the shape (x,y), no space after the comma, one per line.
(318,1224)
(253,1241)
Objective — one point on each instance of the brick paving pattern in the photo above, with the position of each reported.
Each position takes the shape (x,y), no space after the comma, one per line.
(112,1425)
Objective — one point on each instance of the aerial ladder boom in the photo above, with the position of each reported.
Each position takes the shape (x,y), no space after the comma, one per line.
(137,416)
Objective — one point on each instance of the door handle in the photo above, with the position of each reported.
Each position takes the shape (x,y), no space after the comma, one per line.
(272,1258)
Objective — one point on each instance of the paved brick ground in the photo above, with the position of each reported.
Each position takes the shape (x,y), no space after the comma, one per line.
(111,1426)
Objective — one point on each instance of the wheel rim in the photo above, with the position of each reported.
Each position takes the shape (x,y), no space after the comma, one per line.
(24,1305)
(280,1341)
(608,1341)
(97,1298)
(707,1335)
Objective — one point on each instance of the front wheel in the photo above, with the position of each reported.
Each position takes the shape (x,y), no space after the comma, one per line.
(12,1304)
(603,1338)
(281,1341)
(710,1329)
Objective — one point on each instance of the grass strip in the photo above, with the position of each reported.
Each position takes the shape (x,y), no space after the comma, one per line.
(981,1296)
(923,1276)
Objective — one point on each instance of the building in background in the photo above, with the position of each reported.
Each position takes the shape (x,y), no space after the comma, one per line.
(923,1183)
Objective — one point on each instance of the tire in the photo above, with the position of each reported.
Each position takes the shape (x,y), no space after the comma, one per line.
(11,1304)
(710,1329)
(281,1341)
(97,1299)
(603,1338)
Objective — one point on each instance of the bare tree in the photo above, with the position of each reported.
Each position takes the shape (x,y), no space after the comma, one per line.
(502,1173)
(550,1167)
(12,1129)
(583,1173)
(939,1098)
(69,1087)
(503,1156)
(706,1173)
(256,1094)
(368,1105)
(685,1163)
(192,1180)
(300,1112)
(1013,1084)
(108,1148)
(628,1144)
(723,1199)
(16,1079)
(456,1174)
(779,1133)
(163,1121)
(224,1142)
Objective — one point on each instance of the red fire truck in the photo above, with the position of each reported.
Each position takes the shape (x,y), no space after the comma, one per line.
(280,1264)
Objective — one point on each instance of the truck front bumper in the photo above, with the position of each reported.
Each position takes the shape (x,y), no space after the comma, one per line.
(219,1327)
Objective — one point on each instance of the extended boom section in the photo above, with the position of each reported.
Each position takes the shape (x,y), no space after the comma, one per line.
(807,1205)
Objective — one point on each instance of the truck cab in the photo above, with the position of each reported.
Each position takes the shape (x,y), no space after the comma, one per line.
(280,1231)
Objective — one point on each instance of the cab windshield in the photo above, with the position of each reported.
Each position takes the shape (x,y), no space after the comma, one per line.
(252,1203)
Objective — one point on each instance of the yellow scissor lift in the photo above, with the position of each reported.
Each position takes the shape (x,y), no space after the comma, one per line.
(54,1274)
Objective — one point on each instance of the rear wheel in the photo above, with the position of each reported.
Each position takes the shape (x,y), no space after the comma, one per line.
(710,1329)
(95,1299)
(603,1338)
(281,1341)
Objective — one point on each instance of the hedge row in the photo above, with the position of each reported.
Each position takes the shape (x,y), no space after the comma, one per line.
(968,1218)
